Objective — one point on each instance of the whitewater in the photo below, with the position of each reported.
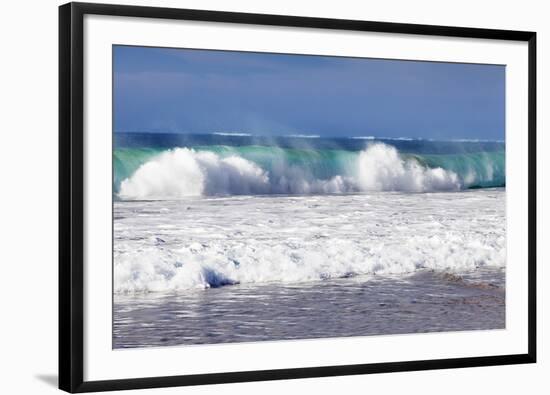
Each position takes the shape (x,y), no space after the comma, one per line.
(199,243)
(185,172)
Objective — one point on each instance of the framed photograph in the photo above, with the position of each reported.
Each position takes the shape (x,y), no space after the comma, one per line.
(251,197)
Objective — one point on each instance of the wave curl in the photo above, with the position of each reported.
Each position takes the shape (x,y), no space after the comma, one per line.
(183,172)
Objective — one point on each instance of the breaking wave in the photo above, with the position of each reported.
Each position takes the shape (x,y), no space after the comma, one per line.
(251,170)
(206,265)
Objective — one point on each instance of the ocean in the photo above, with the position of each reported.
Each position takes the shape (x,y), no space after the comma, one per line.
(230,237)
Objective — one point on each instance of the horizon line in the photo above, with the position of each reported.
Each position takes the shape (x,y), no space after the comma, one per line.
(313,136)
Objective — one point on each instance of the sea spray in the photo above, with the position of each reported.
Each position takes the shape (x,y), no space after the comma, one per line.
(380,168)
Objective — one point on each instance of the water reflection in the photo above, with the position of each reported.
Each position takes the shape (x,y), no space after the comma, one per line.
(356,306)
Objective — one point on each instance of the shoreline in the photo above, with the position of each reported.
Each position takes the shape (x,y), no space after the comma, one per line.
(424,302)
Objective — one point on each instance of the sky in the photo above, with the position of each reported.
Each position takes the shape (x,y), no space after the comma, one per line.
(205,91)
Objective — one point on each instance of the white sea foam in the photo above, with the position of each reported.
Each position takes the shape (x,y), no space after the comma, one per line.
(183,172)
(210,242)
(305,136)
(235,134)
(382,169)
(474,141)
(401,138)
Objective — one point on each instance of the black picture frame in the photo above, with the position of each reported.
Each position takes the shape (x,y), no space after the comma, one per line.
(71,198)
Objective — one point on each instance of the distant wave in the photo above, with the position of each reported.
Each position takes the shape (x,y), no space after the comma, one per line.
(403,138)
(252,170)
(426,139)
(236,134)
(476,141)
(305,136)
(385,138)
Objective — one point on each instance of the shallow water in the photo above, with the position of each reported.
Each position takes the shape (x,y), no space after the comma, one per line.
(359,306)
